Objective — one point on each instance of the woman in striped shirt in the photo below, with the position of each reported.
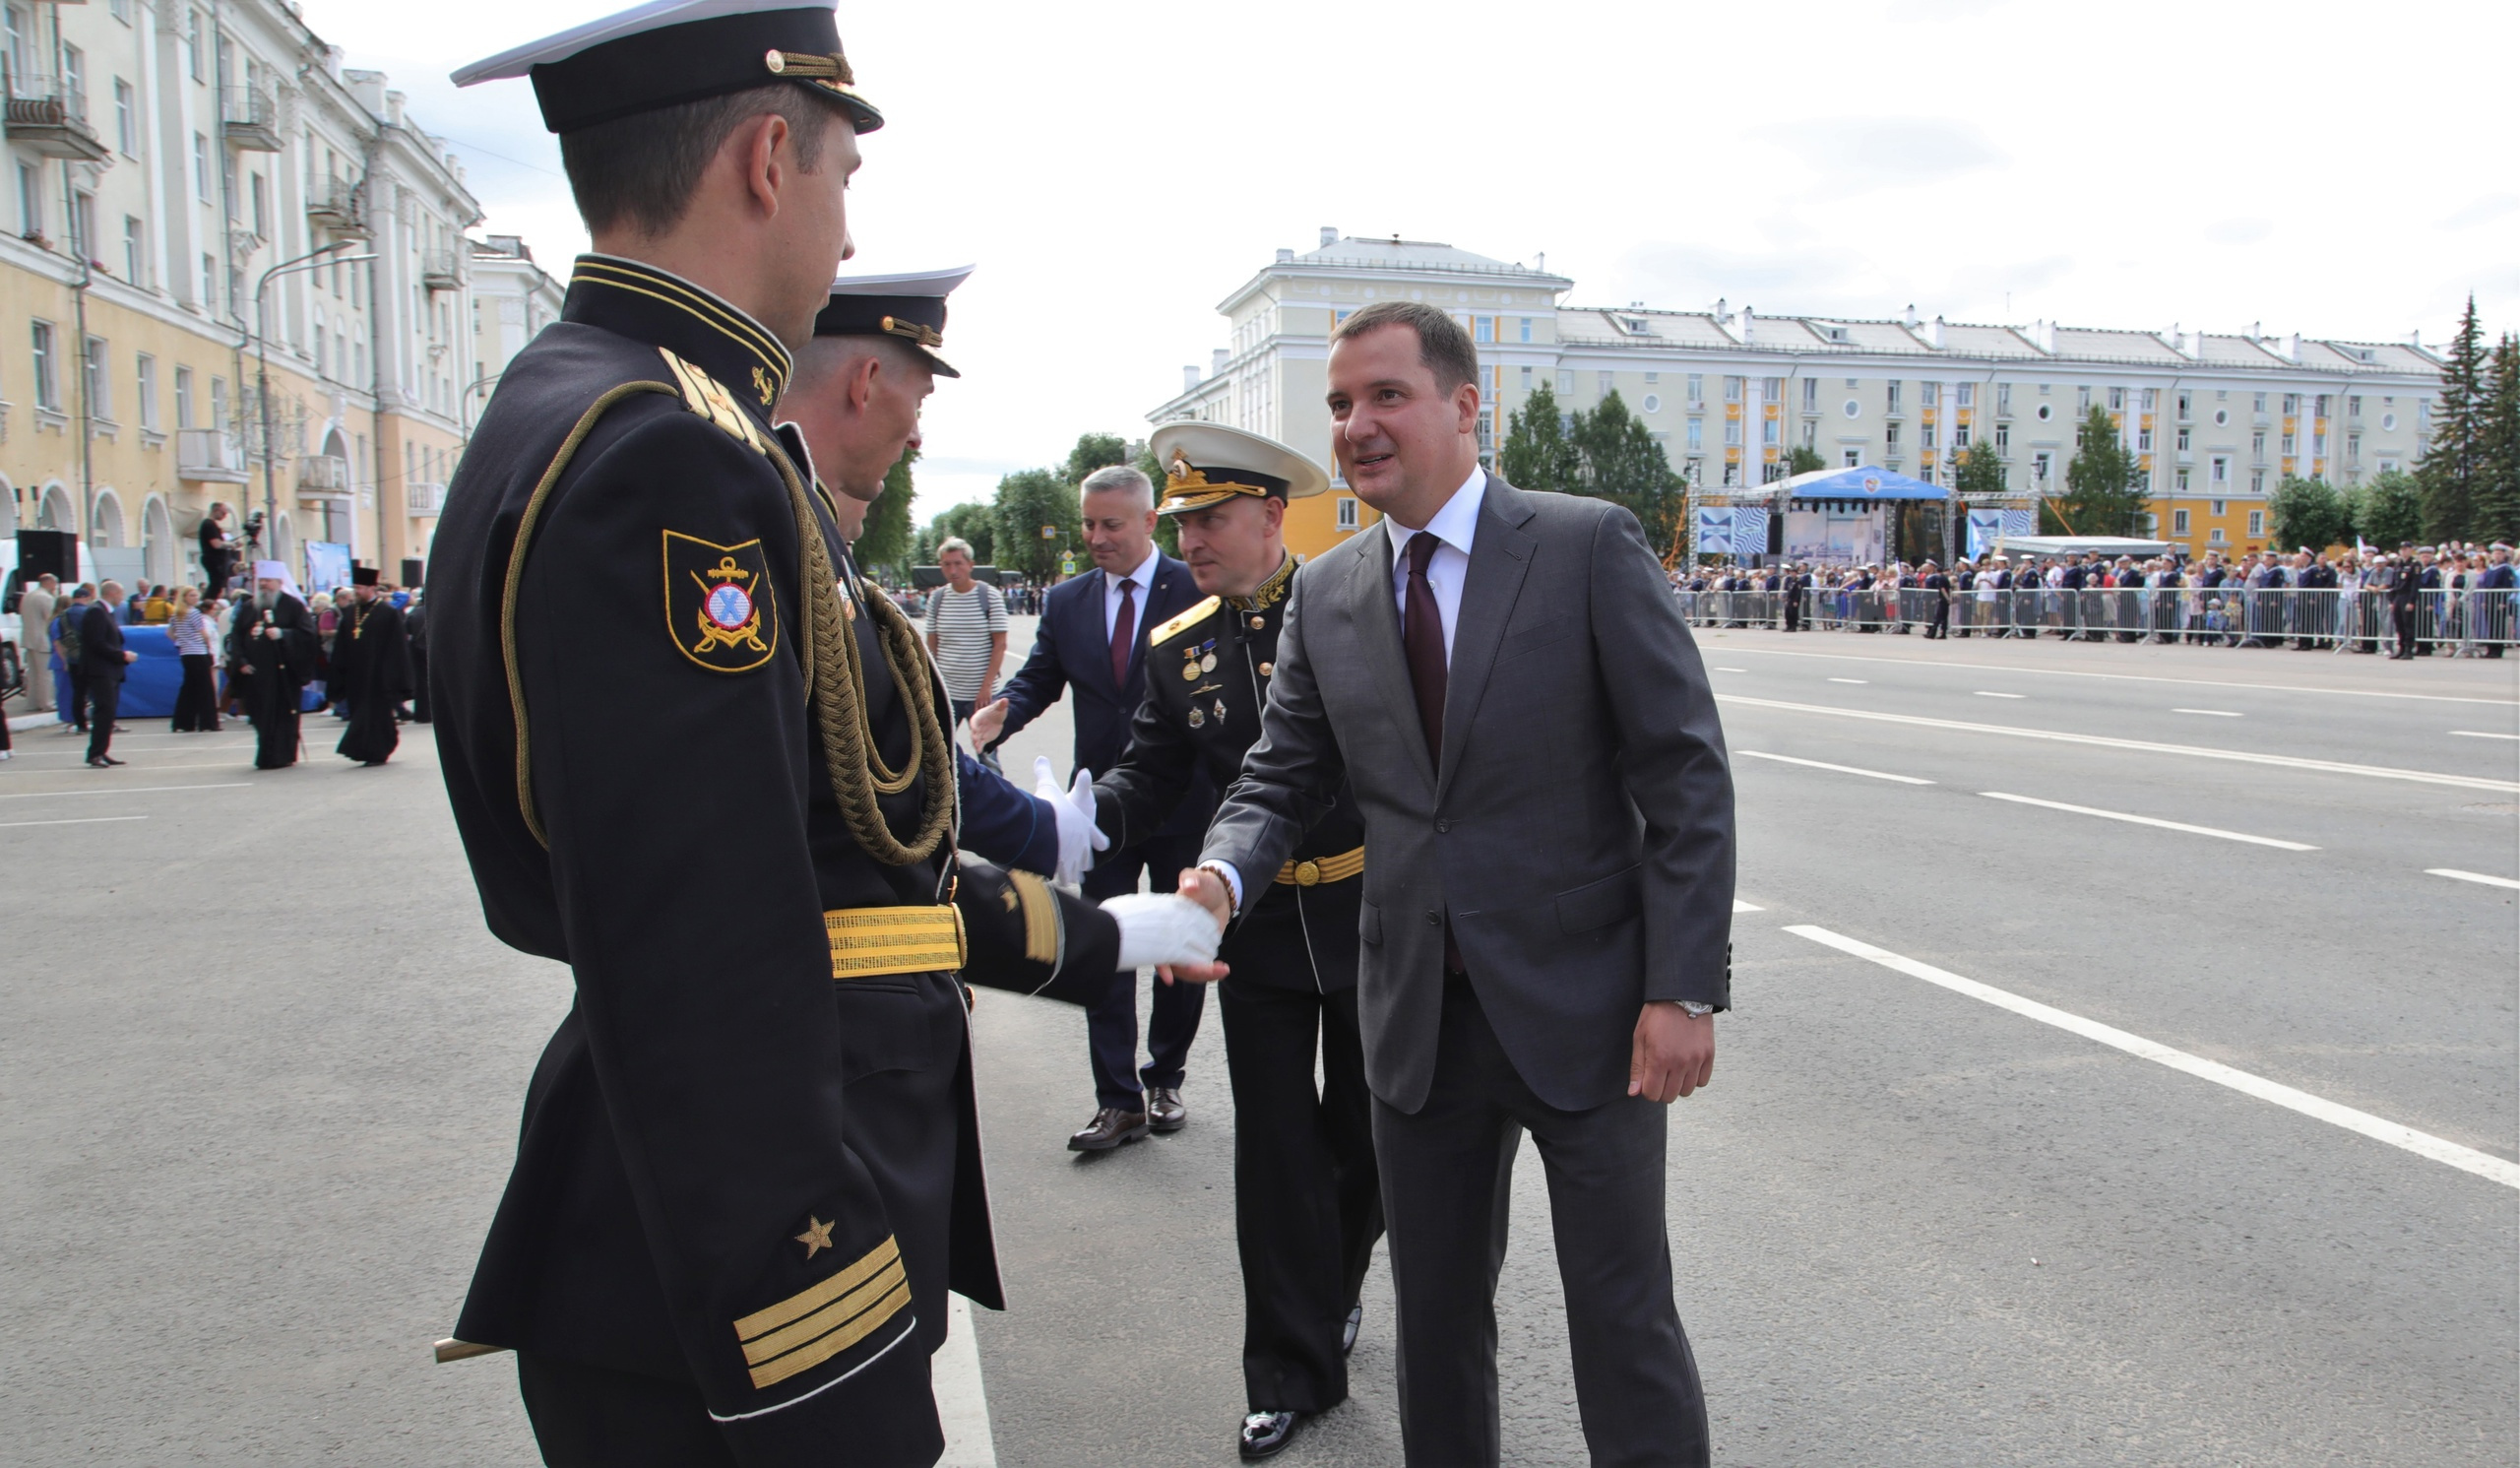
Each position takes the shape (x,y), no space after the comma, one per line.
(196,701)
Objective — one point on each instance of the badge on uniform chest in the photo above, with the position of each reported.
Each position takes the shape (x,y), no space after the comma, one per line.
(720,606)
(1198,658)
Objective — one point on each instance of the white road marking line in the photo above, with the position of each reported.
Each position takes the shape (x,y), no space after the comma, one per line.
(1983,693)
(2283,761)
(1740,906)
(2422,1144)
(1731,669)
(151,767)
(2457,875)
(131,789)
(2213,713)
(91,820)
(2465,733)
(2146,820)
(1788,759)
(2130,678)
(1849,680)
(962,1400)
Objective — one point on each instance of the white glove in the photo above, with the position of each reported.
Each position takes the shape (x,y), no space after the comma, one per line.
(1162,928)
(1073,810)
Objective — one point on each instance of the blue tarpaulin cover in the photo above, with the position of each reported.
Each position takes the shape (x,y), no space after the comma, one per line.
(1861,483)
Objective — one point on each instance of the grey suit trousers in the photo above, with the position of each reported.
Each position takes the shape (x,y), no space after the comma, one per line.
(1447,1179)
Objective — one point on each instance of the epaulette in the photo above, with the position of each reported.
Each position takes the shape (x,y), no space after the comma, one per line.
(706,396)
(1185,621)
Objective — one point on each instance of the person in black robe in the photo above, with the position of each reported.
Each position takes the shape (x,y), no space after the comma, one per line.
(270,655)
(371,670)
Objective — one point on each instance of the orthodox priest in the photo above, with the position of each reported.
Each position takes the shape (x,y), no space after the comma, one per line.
(271,656)
(372,664)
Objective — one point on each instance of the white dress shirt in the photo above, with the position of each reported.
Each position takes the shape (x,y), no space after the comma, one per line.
(1143,576)
(1456,525)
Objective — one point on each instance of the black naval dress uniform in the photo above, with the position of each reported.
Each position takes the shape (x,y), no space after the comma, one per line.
(748,1170)
(1307,1199)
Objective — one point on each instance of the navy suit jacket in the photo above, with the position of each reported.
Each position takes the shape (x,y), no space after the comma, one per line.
(101,641)
(1071,651)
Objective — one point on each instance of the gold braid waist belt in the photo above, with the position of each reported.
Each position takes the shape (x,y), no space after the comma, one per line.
(1315,870)
(868,942)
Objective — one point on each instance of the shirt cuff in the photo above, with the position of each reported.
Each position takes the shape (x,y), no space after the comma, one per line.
(1232,879)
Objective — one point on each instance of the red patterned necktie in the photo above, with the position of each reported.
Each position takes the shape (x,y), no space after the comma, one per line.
(1125,630)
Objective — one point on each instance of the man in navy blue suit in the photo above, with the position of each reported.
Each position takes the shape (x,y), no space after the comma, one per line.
(1093,639)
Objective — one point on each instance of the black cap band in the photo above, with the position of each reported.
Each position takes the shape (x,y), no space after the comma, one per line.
(697,60)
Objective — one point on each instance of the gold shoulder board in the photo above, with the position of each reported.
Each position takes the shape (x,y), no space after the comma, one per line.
(705,396)
(1185,621)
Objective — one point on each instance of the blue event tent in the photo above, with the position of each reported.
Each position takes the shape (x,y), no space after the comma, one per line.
(1862,484)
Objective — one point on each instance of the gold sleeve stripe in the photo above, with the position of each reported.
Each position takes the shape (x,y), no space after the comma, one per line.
(822,1322)
(867,942)
(1185,621)
(806,1358)
(807,1301)
(1040,916)
(1315,870)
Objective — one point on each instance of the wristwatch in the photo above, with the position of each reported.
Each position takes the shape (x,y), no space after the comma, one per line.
(1695,1010)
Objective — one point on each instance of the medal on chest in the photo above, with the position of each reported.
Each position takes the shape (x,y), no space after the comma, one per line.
(1198,659)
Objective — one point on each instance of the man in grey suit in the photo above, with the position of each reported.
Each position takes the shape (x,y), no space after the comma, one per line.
(1506,683)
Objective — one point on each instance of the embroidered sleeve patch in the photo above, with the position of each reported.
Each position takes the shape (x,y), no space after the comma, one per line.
(720,609)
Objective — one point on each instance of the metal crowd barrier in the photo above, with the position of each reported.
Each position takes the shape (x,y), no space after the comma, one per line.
(2362,619)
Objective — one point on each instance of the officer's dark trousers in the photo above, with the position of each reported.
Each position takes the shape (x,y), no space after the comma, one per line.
(1307,1206)
(2402,617)
(1111,1023)
(105,701)
(1447,1183)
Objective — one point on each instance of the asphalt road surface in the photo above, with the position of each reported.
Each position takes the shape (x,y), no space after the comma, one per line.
(2115,1078)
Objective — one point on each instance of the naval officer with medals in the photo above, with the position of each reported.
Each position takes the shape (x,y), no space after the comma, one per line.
(747,1173)
(1308,1198)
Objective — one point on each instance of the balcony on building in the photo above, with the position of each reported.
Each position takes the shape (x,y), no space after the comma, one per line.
(44,118)
(322,474)
(252,119)
(422,500)
(333,205)
(209,456)
(442,270)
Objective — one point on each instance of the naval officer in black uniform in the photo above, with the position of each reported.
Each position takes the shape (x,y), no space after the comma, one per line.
(683,763)
(1307,1204)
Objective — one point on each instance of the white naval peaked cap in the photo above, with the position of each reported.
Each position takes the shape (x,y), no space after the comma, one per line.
(909,304)
(1206,464)
(937,282)
(668,52)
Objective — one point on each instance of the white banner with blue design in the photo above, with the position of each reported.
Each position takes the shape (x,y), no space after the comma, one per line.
(1749,531)
(1714,530)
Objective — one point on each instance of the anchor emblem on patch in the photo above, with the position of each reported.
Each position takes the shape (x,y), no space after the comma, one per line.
(720,605)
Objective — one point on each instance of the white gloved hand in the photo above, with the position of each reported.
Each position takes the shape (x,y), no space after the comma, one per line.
(1073,810)
(1162,928)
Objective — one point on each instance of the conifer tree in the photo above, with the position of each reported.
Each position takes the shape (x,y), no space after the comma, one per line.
(2103,496)
(2451,462)
(2498,498)
(1537,453)
(1620,460)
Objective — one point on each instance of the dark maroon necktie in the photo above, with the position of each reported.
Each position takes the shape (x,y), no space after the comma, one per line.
(1421,639)
(1125,630)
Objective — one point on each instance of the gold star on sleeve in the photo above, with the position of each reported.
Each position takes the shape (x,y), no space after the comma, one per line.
(817,1234)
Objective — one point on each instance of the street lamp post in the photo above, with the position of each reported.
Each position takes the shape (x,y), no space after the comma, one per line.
(311,259)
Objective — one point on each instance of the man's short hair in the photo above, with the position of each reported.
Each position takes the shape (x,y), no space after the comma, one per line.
(641,170)
(953,544)
(1443,347)
(1119,476)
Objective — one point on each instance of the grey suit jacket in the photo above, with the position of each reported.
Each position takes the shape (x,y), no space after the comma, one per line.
(1579,836)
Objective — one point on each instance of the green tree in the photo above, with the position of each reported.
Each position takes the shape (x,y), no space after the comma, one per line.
(974,523)
(1804,459)
(2453,460)
(2388,512)
(1095,451)
(1537,453)
(2497,500)
(885,543)
(1976,470)
(2308,512)
(1167,533)
(1620,461)
(2103,493)
(1036,522)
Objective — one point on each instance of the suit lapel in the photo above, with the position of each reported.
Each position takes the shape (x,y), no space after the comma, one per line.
(1499,557)
(1377,620)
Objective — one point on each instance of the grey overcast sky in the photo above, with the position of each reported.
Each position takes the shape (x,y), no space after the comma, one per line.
(1115,167)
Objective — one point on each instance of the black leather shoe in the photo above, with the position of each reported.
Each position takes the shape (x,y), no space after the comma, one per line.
(1348,1332)
(103,762)
(1109,1127)
(1165,1111)
(1265,1434)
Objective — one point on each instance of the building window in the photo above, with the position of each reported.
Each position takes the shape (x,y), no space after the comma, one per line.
(1651,378)
(1697,434)
(101,396)
(2185,400)
(210,283)
(74,82)
(1347,512)
(1767,432)
(2182,440)
(2151,398)
(1527,327)
(1603,386)
(1960,436)
(82,225)
(2222,417)
(2143,440)
(183,397)
(2218,507)
(1732,389)
(201,167)
(2257,447)
(2117,400)
(2182,481)
(2003,440)
(2288,440)
(1731,474)
(1527,379)
(30,201)
(2354,407)
(1732,432)
(134,258)
(262,209)
(219,404)
(2256,523)
(193,47)
(2352,448)
(146,369)
(1566,382)
(1929,395)
(1890,438)
(2038,465)
(1968,394)
(1654,404)
(1772,390)
(47,369)
(2082,402)
(1893,398)
(2257,482)
(126,125)
(1697,387)
(1484,330)
(120,10)
(2003,398)
(2222,470)
(1810,395)
(2291,409)
(1851,457)
(2179,522)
